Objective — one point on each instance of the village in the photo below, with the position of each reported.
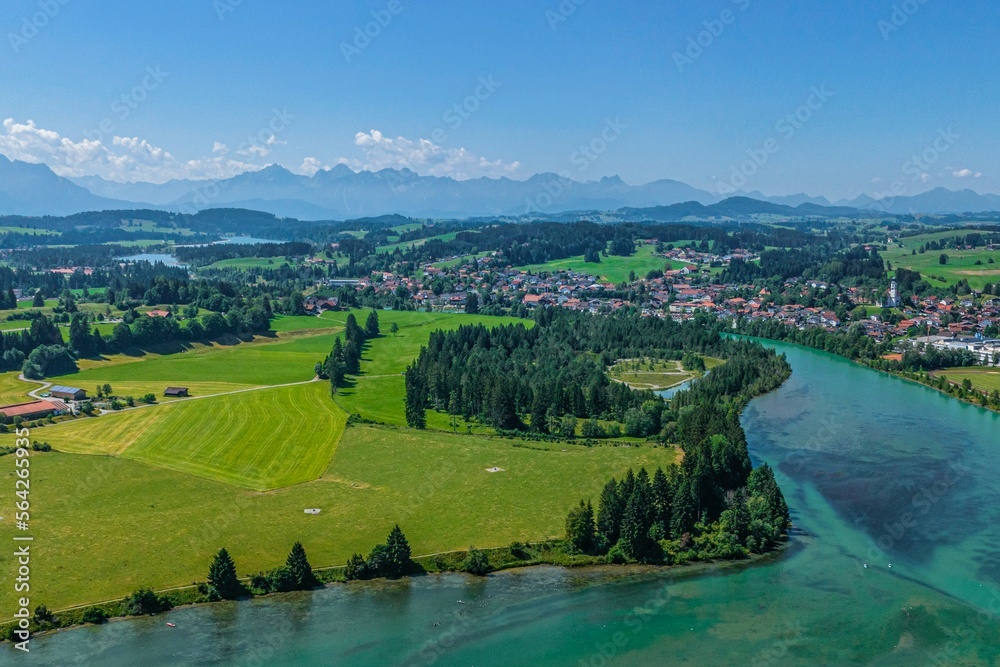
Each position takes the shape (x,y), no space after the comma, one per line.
(968,322)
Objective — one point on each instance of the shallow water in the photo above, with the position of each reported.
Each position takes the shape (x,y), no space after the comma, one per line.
(877,472)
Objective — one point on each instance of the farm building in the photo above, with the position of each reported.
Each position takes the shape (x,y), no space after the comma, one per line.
(68,393)
(34,409)
(176,391)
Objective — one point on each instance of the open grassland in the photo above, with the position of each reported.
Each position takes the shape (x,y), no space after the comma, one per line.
(290,323)
(983,379)
(110,525)
(612,268)
(260,439)
(961,263)
(145,497)
(261,363)
(403,245)
(13,390)
(650,373)
(249,263)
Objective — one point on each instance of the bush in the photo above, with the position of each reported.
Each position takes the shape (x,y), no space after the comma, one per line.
(477,563)
(94,615)
(143,602)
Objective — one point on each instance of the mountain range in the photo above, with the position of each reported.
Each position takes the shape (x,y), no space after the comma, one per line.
(341,193)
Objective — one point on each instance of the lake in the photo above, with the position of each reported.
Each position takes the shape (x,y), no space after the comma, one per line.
(894,560)
(153,258)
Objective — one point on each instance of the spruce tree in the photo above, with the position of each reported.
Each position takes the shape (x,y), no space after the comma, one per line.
(222,579)
(299,566)
(398,553)
(609,516)
(371,325)
(416,399)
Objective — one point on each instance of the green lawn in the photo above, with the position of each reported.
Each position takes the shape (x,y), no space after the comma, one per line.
(257,439)
(288,323)
(983,379)
(267,362)
(418,242)
(110,525)
(248,263)
(13,390)
(961,263)
(612,268)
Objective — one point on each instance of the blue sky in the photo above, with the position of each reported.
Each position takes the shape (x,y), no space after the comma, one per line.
(200,77)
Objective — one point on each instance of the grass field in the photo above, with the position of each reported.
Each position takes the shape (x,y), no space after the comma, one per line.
(13,390)
(983,379)
(258,439)
(145,497)
(651,374)
(110,525)
(248,263)
(612,268)
(961,263)
(417,242)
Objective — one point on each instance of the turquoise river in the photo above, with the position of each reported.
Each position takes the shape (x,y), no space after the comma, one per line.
(894,560)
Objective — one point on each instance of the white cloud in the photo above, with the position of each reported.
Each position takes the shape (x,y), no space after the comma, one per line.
(129,159)
(967,173)
(310,166)
(425,158)
(924,177)
(124,159)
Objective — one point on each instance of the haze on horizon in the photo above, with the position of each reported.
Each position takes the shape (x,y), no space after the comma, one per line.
(829,100)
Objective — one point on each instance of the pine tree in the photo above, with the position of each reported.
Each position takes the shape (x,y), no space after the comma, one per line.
(638,519)
(416,399)
(397,553)
(609,516)
(222,579)
(663,500)
(352,357)
(371,325)
(353,332)
(299,566)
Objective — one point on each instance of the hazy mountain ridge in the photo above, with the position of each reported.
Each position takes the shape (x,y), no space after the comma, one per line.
(339,193)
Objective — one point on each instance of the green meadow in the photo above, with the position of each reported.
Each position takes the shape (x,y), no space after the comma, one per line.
(982,378)
(144,497)
(110,525)
(961,263)
(612,268)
